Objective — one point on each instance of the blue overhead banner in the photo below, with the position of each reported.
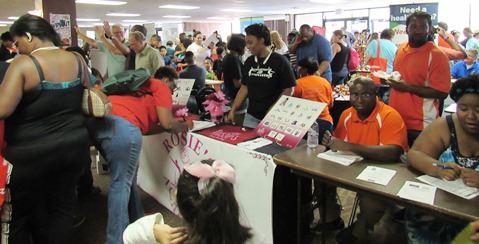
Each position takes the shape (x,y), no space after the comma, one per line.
(399,14)
(245,22)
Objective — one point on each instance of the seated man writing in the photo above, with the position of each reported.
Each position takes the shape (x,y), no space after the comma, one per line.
(374,131)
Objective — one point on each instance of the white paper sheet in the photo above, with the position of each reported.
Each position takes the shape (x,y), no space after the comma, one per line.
(418,192)
(455,187)
(211,39)
(343,158)
(254,144)
(199,125)
(376,175)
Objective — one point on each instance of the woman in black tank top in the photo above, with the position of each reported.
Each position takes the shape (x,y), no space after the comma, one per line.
(340,57)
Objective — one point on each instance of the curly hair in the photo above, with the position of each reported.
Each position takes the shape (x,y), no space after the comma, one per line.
(465,85)
(213,215)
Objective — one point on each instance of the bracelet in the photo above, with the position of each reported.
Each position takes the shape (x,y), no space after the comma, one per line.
(445,38)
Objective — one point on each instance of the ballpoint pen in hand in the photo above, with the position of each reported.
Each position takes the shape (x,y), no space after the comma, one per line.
(443,166)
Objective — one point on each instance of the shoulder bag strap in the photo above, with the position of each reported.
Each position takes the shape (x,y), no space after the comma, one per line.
(82,72)
(39,68)
(379,49)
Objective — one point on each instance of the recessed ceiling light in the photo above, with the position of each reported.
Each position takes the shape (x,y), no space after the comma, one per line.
(6,22)
(99,2)
(171,6)
(135,21)
(236,10)
(87,20)
(123,14)
(218,18)
(13,17)
(176,16)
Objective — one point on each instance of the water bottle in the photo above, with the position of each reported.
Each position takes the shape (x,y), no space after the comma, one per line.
(313,135)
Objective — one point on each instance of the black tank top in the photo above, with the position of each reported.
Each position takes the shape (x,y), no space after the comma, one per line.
(468,162)
(339,59)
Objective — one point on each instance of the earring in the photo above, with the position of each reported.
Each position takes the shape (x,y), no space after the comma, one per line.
(29,36)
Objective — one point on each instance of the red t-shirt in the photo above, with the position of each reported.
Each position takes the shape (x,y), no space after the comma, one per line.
(383,127)
(141,111)
(315,88)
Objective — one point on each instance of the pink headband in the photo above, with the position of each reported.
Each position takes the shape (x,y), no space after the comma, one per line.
(205,172)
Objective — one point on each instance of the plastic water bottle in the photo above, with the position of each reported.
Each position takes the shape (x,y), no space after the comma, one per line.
(313,135)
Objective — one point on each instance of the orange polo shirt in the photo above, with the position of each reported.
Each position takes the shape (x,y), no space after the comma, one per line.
(384,126)
(414,64)
(315,88)
(443,43)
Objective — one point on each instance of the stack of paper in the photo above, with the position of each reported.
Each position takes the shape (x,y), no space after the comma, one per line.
(455,187)
(199,125)
(418,192)
(343,158)
(377,175)
(254,144)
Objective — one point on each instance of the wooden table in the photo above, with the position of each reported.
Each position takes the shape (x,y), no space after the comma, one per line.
(304,162)
(216,84)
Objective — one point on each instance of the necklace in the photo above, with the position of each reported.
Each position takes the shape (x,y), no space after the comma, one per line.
(44,48)
(265,60)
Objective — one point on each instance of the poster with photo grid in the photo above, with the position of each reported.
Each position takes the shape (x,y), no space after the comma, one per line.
(289,120)
(182,92)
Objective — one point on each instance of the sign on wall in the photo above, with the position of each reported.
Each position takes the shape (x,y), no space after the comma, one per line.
(62,25)
(399,14)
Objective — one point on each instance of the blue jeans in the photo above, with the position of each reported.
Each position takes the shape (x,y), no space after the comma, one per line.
(250,121)
(119,141)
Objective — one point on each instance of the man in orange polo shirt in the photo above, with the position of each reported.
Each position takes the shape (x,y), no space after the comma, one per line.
(374,131)
(425,76)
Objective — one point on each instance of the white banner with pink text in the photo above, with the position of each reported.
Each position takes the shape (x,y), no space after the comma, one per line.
(162,159)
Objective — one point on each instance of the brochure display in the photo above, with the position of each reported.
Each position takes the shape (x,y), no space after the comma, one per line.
(289,120)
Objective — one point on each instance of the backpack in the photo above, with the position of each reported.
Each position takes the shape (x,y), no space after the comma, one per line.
(125,82)
(353,60)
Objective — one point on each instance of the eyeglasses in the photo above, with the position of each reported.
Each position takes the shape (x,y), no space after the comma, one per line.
(364,96)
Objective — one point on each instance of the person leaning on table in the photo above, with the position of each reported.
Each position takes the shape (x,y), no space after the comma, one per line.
(374,131)
(453,141)
(118,137)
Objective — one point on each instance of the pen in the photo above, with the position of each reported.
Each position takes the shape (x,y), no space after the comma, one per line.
(443,166)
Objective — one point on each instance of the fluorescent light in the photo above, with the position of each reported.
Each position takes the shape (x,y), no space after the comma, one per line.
(218,18)
(3,25)
(13,17)
(6,22)
(135,21)
(171,6)
(85,26)
(87,20)
(328,1)
(176,16)
(99,2)
(123,14)
(236,10)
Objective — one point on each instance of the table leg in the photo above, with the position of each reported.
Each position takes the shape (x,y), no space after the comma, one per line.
(298,211)
(323,211)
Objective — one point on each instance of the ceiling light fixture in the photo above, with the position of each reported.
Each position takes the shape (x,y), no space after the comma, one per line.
(328,1)
(176,16)
(134,21)
(3,25)
(172,6)
(236,10)
(218,18)
(6,22)
(123,14)
(99,2)
(13,17)
(87,20)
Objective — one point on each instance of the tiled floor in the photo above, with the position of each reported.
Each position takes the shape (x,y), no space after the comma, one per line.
(93,229)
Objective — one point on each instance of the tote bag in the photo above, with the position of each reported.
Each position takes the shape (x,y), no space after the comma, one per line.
(378,63)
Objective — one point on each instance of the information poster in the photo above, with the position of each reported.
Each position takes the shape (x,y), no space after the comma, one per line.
(62,25)
(399,14)
(289,120)
(183,91)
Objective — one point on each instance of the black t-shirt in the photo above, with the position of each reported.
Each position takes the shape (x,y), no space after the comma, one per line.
(266,81)
(232,69)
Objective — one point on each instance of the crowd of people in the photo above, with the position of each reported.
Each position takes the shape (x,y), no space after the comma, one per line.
(48,138)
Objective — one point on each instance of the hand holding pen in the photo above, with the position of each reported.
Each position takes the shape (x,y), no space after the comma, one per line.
(448,171)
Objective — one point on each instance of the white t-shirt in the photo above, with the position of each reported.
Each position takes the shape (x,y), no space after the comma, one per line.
(200,53)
